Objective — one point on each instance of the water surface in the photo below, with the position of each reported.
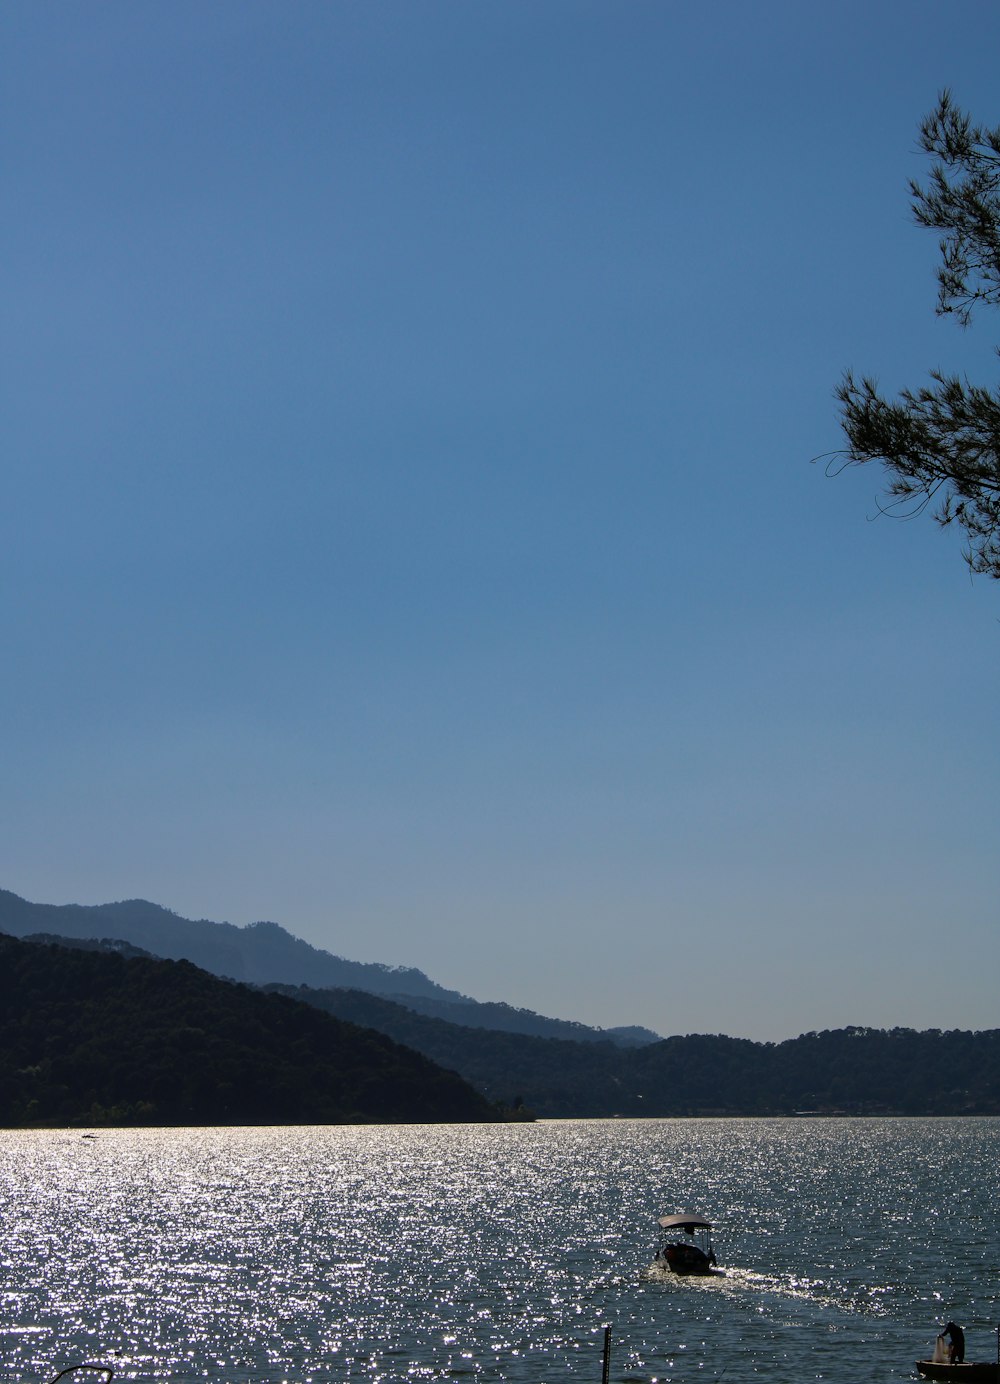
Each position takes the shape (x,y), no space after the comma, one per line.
(497,1252)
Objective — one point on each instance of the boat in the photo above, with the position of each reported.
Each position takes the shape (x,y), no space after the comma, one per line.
(954,1371)
(975,1371)
(692,1255)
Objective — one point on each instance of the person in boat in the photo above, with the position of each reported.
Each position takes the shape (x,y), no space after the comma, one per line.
(956,1337)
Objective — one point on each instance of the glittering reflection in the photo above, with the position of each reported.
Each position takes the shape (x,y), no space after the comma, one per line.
(492,1253)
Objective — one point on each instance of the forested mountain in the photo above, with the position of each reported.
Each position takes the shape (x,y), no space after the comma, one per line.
(505,1018)
(258,953)
(555,1068)
(265,952)
(851,1070)
(92,1037)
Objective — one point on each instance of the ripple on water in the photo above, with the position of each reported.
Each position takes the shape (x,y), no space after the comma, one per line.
(494,1252)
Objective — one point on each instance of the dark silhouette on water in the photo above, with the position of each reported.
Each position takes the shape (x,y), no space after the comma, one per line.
(956,1336)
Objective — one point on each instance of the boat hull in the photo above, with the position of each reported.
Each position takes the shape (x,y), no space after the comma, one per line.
(688,1259)
(974,1371)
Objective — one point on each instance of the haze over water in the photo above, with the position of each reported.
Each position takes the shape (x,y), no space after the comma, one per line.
(496,1253)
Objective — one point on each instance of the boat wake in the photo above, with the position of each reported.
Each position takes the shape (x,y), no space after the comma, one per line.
(861,1300)
(740,1282)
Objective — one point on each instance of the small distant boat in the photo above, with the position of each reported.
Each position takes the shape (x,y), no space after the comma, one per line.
(975,1371)
(692,1255)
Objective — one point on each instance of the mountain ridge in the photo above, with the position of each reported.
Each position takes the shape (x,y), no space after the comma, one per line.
(187,1046)
(856,1070)
(92,1036)
(264,953)
(247,954)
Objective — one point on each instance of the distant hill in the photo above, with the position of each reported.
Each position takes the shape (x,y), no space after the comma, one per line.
(554,1077)
(265,952)
(95,1037)
(847,1071)
(504,1018)
(102,944)
(632,1035)
(89,1035)
(257,953)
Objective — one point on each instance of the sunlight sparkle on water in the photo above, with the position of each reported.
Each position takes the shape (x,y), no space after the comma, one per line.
(494,1253)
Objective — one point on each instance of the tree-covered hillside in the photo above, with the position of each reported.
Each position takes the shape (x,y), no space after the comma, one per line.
(96,1037)
(507,1018)
(90,1035)
(851,1070)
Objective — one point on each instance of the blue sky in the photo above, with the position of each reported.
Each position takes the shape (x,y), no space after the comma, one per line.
(409,531)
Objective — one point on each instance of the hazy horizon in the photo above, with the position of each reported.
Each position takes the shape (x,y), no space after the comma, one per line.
(513,1001)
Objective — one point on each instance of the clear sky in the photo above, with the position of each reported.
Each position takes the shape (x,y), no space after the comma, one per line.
(408,530)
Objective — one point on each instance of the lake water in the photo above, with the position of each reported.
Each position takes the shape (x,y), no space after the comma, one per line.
(497,1253)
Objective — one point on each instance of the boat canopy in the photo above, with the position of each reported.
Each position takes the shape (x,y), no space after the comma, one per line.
(689,1224)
